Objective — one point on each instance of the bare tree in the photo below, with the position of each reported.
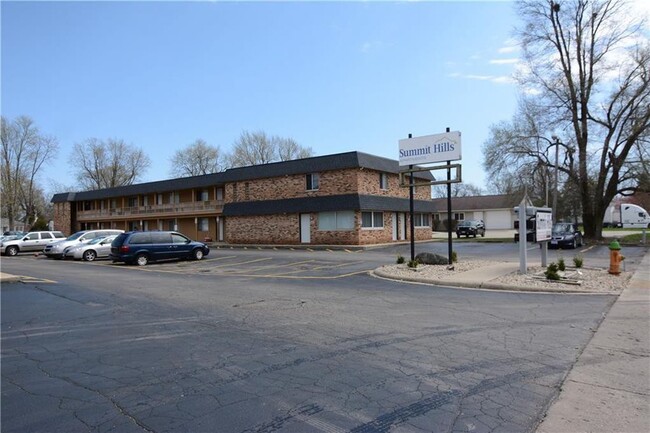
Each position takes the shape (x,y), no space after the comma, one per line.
(106,164)
(196,159)
(288,149)
(258,148)
(457,190)
(24,152)
(586,71)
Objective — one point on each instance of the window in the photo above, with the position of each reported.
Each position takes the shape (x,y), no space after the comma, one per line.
(459,216)
(140,238)
(220,194)
(383,181)
(312,180)
(161,238)
(46,236)
(372,220)
(179,239)
(203,225)
(342,220)
(202,195)
(132,202)
(421,220)
(32,237)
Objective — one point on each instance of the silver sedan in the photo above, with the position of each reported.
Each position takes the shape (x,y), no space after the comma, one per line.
(98,247)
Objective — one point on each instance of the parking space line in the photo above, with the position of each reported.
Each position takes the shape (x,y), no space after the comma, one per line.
(244,263)
(337,266)
(587,249)
(257,268)
(301,277)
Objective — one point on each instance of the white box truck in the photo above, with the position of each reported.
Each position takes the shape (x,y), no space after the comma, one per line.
(626,215)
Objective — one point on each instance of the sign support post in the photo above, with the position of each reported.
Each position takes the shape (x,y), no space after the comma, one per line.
(416,153)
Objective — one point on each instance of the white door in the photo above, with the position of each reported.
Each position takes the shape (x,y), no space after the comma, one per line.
(220,229)
(402,226)
(394,226)
(305,228)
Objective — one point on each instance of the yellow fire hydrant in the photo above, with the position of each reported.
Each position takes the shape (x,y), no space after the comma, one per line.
(615,258)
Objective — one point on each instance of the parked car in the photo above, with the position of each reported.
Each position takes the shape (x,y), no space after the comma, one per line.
(97,248)
(143,247)
(57,249)
(32,241)
(565,235)
(14,233)
(470,228)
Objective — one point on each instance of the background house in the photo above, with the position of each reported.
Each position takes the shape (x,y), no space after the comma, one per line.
(496,211)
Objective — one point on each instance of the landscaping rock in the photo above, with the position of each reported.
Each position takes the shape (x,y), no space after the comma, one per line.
(432,259)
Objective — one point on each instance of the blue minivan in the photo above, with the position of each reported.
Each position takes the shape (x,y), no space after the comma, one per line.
(142,247)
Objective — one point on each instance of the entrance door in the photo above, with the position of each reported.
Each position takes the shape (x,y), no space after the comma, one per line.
(305,228)
(394,226)
(402,226)
(220,229)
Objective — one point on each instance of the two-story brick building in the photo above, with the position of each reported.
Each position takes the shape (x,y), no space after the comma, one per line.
(350,198)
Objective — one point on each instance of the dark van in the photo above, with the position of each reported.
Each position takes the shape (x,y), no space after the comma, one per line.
(143,247)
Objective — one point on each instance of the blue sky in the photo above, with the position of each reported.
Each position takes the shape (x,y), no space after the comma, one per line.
(335,76)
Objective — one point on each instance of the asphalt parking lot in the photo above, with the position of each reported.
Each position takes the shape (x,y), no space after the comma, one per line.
(270,340)
(330,263)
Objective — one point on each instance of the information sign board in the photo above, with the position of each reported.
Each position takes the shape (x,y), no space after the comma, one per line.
(543,226)
(430,148)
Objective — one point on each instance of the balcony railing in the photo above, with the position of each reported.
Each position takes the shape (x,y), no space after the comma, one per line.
(197,207)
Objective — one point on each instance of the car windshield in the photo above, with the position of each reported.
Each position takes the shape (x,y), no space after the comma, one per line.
(75,236)
(96,240)
(561,229)
(465,224)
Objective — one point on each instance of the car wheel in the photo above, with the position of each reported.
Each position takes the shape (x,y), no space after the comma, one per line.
(483,234)
(89,255)
(12,251)
(457,236)
(574,244)
(142,260)
(197,254)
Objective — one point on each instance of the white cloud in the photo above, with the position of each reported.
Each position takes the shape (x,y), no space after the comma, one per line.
(504,61)
(497,79)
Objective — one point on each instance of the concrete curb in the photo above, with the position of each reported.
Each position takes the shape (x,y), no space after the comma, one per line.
(486,285)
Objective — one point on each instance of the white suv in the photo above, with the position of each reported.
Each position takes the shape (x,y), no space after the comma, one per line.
(32,241)
(56,249)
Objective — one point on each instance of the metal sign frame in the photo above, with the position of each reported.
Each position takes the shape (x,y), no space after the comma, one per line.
(405,176)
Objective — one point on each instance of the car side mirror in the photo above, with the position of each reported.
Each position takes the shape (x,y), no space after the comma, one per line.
(25,238)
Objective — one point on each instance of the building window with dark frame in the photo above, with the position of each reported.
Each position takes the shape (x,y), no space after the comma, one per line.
(312,181)
(203,225)
(372,220)
(421,220)
(460,216)
(340,220)
(383,181)
(202,195)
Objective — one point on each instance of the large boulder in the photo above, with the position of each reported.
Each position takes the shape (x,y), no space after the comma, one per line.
(432,259)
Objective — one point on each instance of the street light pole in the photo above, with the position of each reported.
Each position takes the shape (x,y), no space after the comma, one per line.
(557,149)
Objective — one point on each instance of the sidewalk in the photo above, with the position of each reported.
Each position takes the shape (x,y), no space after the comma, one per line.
(608,389)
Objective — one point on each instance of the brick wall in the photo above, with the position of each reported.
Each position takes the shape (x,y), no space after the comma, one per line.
(63,217)
(369,185)
(268,229)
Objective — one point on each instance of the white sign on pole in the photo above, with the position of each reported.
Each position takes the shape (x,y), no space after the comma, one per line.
(430,148)
(543,226)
